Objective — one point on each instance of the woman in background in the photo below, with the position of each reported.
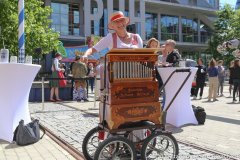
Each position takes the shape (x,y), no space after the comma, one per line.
(236,79)
(213,80)
(91,75)
(54,84)
(230,77)
(221,76)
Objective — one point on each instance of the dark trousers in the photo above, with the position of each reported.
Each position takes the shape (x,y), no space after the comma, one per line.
(236,88)
(201,90)
(201,87)
(91,82)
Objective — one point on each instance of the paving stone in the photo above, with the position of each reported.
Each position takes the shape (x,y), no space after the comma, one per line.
(72,126)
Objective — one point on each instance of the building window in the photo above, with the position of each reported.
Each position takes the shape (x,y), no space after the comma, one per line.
(74,27)
(151,25)
(205,32)
(189,30)
(99,27)
(65,18)
(169,27)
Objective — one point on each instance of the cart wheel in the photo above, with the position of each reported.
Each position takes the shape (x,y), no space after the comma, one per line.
(160,146)
(116,148)
(91,142)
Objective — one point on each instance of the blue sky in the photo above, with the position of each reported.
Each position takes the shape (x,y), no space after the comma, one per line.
(231,2)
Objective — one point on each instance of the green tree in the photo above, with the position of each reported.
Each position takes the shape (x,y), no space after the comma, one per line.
(38,33)
(226,27)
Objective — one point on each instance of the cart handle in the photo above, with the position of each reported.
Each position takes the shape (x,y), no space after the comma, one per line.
(183,70)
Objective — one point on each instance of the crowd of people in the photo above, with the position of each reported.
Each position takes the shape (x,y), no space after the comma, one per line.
(168,57)
(82,73)
(216,73)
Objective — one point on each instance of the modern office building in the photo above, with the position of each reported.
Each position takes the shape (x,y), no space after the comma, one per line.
(189,22)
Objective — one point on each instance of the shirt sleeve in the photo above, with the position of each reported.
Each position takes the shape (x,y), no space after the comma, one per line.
(105,42)
(56,64)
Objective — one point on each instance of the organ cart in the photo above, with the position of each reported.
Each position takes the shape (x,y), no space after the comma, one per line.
(132,123)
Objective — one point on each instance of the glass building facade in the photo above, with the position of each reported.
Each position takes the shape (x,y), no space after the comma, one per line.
(65,18)
(191,31)
(169,27)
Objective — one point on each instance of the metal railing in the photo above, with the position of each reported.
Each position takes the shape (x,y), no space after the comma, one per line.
(66,78)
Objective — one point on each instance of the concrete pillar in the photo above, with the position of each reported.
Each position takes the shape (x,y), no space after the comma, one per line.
(159,27)
(81,18)
(199,34)
(180,29)
(88,17)
(122,5)
(110,8)
(141,18)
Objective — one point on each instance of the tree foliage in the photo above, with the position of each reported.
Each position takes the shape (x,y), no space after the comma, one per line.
(227,27)
(38,33)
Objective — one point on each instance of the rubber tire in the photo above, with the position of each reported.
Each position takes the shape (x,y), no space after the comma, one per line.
(149,139)
(85,142)
(112,139)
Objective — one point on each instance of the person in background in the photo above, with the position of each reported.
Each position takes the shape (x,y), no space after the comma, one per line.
(221,76)
(79,70)
(63,66)
(200,78)
(91,75)
(236,79)
(54,84)
(162,58)
(99,67)
(213,80)
(173,56)
(154,43)
(230,77)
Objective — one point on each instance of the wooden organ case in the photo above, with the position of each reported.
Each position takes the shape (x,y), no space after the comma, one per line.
(132,89)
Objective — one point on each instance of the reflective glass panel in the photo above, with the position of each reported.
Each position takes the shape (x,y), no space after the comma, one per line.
(151,25)
(169,27)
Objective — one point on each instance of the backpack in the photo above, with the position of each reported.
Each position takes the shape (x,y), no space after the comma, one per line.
(200,114)
(27,134)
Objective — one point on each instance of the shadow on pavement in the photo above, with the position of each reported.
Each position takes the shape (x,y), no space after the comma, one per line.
(90,115)
(222,119)
(232,103)
(3,142)
(11,146)
(173,129)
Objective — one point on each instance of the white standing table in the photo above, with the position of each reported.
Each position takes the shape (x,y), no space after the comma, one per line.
(180,112)
(15,84)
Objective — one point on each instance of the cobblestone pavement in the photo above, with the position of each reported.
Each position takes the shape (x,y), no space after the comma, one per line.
(70,122)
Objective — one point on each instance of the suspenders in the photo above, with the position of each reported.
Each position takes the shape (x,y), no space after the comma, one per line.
(114,36)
